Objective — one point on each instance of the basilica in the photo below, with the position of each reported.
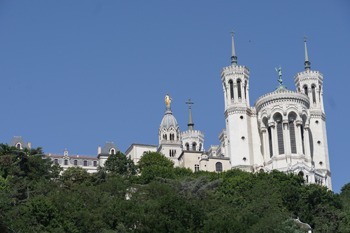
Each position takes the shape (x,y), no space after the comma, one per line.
(284,130)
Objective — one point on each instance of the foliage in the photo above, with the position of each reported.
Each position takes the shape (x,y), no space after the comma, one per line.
(74,176)
(34,197)
(120,164)
(154,159)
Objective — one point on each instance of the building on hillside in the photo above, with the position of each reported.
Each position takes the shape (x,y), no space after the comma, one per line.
(284,130)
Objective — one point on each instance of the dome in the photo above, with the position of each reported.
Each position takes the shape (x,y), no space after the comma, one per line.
(168,120)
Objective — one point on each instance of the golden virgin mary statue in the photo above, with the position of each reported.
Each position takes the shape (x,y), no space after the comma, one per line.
(167,100)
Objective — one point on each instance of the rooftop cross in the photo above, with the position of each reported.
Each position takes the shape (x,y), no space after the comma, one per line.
(190,122)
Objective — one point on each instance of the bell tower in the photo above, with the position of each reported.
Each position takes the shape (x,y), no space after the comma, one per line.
(235,81)
(310,83)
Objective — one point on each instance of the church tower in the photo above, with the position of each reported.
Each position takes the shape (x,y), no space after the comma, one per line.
(192,140)
(169,134)
(310,83)
(235,81)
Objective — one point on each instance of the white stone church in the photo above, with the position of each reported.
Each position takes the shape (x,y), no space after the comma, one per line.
(284,130)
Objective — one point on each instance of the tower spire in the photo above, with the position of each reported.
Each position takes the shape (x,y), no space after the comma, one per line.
(190,122)
(233,57)
(306,63)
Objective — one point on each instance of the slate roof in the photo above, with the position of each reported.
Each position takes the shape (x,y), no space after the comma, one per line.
(108,146)
(15,140)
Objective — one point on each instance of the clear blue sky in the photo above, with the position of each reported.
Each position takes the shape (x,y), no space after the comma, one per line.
(75,74)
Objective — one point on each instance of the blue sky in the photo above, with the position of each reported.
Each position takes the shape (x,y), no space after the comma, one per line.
(75,74)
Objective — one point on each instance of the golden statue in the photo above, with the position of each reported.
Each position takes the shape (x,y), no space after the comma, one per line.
(167,100)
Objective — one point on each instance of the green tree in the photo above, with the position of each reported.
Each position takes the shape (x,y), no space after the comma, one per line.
(154,159)
(119,163)
(74,176)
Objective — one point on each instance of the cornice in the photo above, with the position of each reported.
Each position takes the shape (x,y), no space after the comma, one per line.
(282,96)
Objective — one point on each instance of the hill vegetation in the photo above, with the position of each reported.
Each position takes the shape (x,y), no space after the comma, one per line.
(153,196)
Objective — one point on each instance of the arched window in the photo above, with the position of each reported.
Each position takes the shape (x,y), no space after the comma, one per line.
(95,163)
(66,162)
(85,163)
(313,88)
(172,137)
(245,89)
(218,167)
(302,133)
(291,122)
(305,90)
(270,140)
(200,146)
(194,145)
(75,162)
(187,146)
(278,119)
(56,161)
(112,151)
(231,89)
(239,89)
(165,136)
(301,173)
(18,145)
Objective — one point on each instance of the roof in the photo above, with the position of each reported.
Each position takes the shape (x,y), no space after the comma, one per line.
(138,144)
(108,146)
(16,140)
(168,120)
(72,157)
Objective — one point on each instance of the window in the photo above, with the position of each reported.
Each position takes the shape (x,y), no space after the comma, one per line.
(196,167)
(18,145)
(302,138)
(200,146)
(194,145)
(65,162)
(293,145)
(270,141)
(75,162)
(85,163)
(218,167)
(278,119)
(95,163)
(172,137)
(231,89)
(187,146)
(313,94)
(164,136)
(305,90)
(56,161)
(112,151)
(239,88)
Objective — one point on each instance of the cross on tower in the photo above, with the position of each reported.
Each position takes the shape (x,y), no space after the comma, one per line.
(189,103)
(232,32)
(304,38)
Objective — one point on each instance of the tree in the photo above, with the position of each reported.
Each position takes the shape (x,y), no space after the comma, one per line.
(74,176)
(154,159)
(120,164)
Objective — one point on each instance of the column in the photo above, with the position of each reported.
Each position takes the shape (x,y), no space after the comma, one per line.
(286,138)
(242,91)
(317,97)
(274,139)
(247,101)
(298,123)
(307,142)
(265,144)
(235,92)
